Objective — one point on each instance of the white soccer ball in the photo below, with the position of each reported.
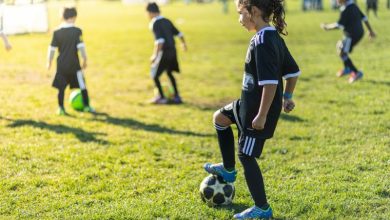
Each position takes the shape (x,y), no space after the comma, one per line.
(214,191)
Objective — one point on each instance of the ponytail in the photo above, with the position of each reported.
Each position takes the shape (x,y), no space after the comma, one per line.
(268,8)
(279,16)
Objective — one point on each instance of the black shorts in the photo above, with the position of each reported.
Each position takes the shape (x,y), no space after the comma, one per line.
(74,80)
(372,4)
(247,144)
(165,61)
(346,45)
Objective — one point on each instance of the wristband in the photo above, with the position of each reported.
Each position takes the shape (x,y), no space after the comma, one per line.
(287,95)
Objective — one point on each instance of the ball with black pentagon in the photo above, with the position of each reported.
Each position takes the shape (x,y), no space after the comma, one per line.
(215,191)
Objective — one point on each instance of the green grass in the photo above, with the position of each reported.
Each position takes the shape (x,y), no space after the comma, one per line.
(329,159)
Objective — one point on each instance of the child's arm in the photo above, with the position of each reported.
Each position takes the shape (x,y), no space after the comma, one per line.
(83,53)
(5,40)
(183,42)
(156,50)
(267,97)
(371,33)
(50,56)
(288,103)
(331,26)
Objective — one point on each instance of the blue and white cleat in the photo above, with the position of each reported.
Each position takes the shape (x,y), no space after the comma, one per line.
(355,76)
(344,72)
(254,213)
(219,170)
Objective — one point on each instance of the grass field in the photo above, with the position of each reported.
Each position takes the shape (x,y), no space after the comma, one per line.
(329,159)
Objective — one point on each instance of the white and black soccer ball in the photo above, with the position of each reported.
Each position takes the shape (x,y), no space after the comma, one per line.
(215,191)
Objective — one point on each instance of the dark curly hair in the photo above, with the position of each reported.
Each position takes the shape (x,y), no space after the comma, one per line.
(269,8)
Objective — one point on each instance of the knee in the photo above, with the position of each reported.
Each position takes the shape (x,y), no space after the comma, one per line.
(221,119)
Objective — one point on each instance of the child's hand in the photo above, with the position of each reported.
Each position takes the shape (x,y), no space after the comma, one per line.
(288,105)
(371,35)
(259,122)
(8,47)
(84,66)
(184,46)
(324,26)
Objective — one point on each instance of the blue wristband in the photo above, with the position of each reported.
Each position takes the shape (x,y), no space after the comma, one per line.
(287,95)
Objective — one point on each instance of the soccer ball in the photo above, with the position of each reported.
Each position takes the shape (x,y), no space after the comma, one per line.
(215,191)
(76,100)
(168,91)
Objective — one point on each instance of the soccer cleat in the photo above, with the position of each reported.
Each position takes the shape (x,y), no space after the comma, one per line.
(254,213)
(219,170)
(89,109)
(355,76)
(159,100)
(61,111)
(343,72)
(177,100)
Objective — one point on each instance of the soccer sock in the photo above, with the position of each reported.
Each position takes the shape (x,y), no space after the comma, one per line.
(84,93)
(254,179)
(61,95)
(158,85)
(226,145)
(173,81)
(348,62)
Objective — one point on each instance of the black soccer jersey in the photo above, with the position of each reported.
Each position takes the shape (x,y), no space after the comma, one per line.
(68,39)
(164,32)
(268,60)
(351,20)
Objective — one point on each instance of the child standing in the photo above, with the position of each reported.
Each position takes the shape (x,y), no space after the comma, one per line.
(68,40)
(164,56)
(351,22)
(256,113)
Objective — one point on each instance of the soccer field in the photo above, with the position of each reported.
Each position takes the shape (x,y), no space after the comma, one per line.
(329,158)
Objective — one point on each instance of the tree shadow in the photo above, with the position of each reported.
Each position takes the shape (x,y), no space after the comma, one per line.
(137,125)
(80,134)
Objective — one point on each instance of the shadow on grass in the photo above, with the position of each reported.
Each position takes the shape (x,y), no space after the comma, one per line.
(210,105)
(377,82)
(292,118)
(137,125)
(80,134)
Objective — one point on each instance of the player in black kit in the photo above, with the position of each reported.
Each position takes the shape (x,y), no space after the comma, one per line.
(268,61)
(351,22)
(68,39)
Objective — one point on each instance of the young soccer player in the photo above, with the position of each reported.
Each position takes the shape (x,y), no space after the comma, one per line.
(351,22)
(7,45)
(164,56)
(268,61)
(68,40)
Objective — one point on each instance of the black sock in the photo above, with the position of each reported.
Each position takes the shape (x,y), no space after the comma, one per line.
(226,145)
(84,93)
(158,85)
(61,95)
(173,82)
(254,179)
(348,63)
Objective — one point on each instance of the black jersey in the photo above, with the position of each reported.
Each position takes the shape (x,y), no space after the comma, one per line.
(164,32)
(268,60)
(351,20)
(68,39)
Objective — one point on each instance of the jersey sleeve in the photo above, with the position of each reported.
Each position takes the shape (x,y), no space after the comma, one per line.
(290,67)
(54,41)
(266,64)
(158,33)
(80,41)
(342,20)
(175,31)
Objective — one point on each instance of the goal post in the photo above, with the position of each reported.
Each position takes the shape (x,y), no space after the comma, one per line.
(24,16)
